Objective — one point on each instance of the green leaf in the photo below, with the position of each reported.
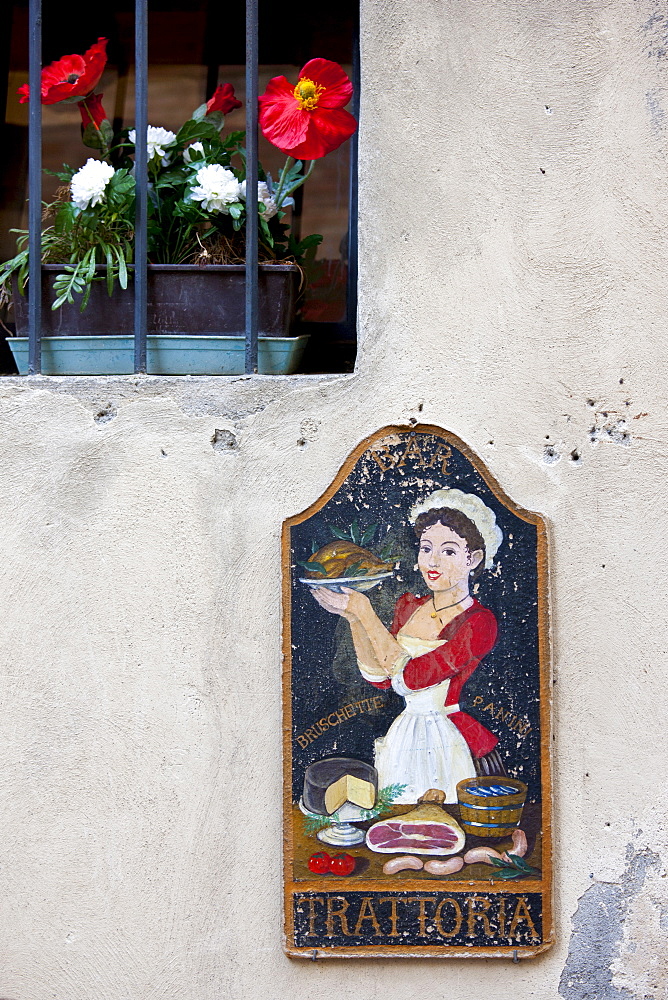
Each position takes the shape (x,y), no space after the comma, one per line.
(17,263)
(368,534)
(84,298)
(65,218)
(313,567)
(199,113)
(522,865)
(98,138)
(232,139)
(288,177)
(90,271)
(236,210)
(170,178)
(313,823)
(355,569)
(122,269)
(216,118)
(505,873)
(91,137)
(343,535)
(387,555)
(514,867)
(23,276)
(314,240)
(72,280)
(384,800)
(304,251)
(355,532)
(65,175)
(194,130)
(107,131)
(500,861)
(265,230)
(120,190)
(110,268)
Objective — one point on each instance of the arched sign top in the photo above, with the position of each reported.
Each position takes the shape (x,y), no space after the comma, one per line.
(400,447)
(416,702)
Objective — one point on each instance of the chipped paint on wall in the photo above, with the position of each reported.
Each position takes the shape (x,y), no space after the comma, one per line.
(619,942)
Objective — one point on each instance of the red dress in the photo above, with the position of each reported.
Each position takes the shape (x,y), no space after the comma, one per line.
(470,636)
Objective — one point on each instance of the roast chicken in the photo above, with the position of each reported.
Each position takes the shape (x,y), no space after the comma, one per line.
(341,558)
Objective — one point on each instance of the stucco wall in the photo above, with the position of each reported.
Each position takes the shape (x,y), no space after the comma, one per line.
(513,272)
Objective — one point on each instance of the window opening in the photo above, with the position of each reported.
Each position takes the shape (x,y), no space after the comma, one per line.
(191,47)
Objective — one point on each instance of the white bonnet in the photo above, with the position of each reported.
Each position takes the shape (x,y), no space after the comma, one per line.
(476,511)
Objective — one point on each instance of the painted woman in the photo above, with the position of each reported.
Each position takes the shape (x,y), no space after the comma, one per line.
(433,646)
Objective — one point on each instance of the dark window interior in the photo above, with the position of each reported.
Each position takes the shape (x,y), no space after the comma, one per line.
(193,45)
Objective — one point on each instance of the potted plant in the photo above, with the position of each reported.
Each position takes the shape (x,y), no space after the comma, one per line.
(196,223)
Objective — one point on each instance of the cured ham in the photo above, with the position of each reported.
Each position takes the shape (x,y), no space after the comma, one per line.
(427,829)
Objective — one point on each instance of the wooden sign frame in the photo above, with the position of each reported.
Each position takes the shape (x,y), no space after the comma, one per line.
(476,912)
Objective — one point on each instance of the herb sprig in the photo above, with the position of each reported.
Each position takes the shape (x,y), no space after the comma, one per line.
(314,822)
(384,801)
(515,867)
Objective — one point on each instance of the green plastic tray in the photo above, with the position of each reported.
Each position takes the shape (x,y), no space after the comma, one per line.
(166,355)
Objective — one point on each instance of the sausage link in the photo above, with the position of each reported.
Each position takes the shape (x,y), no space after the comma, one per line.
(399,864)
(519,843)
(444,867)
(481,854)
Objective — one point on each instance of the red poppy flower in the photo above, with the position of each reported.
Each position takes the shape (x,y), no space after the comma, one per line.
(223,100)
(92,112)
(72,76)
(308,121)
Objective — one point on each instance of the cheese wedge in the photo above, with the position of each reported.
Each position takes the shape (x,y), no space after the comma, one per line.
(348,788)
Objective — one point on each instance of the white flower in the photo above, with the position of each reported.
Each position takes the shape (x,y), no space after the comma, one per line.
(217,188)
(89,183)
(157,140)
(193,147)
(263,197)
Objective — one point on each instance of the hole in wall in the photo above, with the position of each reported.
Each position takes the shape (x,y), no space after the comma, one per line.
(224,440)
(105,414)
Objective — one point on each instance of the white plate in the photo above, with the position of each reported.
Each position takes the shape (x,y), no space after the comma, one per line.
(360,583)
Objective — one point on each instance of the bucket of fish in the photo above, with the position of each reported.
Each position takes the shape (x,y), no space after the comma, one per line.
(490,806)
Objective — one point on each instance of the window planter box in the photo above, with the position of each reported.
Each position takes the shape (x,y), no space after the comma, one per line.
(195,324)
(111,354)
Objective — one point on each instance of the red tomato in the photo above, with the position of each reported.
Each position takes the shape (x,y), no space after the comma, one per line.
(342,864)
(319,863)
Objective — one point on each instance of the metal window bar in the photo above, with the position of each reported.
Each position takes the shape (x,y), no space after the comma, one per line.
(251,274)
(141,122)
(351,281)
(35,189)
(141,184)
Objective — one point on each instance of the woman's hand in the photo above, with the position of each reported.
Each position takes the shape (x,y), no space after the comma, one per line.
(350,604)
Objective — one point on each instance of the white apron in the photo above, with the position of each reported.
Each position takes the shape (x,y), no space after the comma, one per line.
(423,748)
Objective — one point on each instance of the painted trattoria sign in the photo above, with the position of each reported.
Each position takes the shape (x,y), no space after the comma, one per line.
(416,701)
